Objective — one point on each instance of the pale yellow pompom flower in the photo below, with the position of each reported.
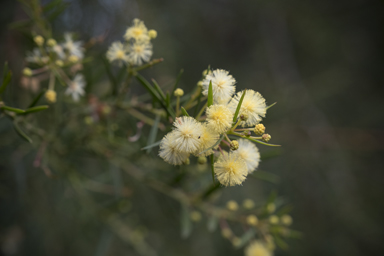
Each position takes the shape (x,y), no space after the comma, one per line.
(223,86)
(50,95)
(73,58)
(187,134)
(208,138)
(257,248)
(232,205)
(138,31)
(253,106)
(152,34)
(273,219)
(249,153)
(219,118)
(138,53)
(27,72)
(51,42)
(252,220)
(39,40)
(117,52)
(286,219)
(178,92)
(230,169)
(169,152)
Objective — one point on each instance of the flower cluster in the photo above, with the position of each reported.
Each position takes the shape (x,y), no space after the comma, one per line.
(137,48)
(49,55)
(191,136)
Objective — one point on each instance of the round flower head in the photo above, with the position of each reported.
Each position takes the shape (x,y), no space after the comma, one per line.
(169,152)
(219,118)
(76,88)
(138,31)
(73,48)
(187,134)
(117,52)
(257,248)
(230,169)
(249,153)
(208,138)
(223,86)
(139,53)
(253,107)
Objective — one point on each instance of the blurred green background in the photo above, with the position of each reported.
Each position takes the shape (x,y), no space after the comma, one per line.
(321,61)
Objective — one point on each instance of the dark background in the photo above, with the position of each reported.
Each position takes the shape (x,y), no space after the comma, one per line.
(321,61)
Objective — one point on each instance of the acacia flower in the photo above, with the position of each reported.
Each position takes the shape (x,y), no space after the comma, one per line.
(249,153)
(219,118)
(138,31)
(253,106)
(208,138)
(117,52)
(76,88)
(257,248)
(169,152)
(187,134)
(73,48)
(223,86)
(139,53)
(230,169)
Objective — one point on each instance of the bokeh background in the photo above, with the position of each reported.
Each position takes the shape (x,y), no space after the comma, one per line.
(321,61)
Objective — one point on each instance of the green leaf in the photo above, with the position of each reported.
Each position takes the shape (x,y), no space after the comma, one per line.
(185,113)
(154,94)
(15,110)
(212,167)
(271,105)
(281,243)
(153,133)
(285,210)
(34,102)
(217,143)
(51,5)
(168,99)
(35,109)
(210,94)
(61,8)
(177,81)
(186,225)
(111,77)
(158,89)
(246,238)
(239,106)
(152,145)
(20,24)
(7,75)
(21,133)
(261,142)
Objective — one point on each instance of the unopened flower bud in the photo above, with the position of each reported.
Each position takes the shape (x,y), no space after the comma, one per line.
(252,220)
(200,84)
(152,34)
(39,40)
(50,95)
(27,72)
(195,216)
(248,204)
(266,137)
(234,145)
(246,133)
(187,161)
(179,92)
(243,117)
(271,207)
(286,219)
(51,42)
(59,63)
(202,160)
(73,58)
(259,129)
(273,219)
(232,205)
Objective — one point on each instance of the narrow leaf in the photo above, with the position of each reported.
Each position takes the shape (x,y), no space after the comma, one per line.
(21,133)
(35,109)
(271,105)
(158,89)
(210,94)
(7,75)
(153,133)
(239,106)
(57,11)
(246,238)
(51,5)
(16,110)
(261,142)
(186,225)
(111,77)
(34,102)
(20,24)
(185,113)
(212,168)
(152,145)
(281,243)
